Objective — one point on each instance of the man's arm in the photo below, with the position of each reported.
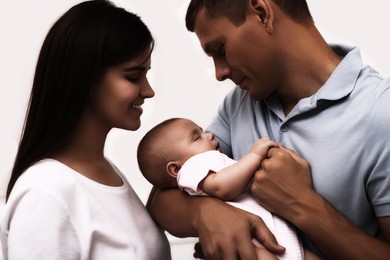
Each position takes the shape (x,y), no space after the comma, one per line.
(224,232)
(286,190)
(340,239)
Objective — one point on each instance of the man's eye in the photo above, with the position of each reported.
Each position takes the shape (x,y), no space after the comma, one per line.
(222,52)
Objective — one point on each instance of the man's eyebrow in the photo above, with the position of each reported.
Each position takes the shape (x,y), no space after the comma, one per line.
(209,47)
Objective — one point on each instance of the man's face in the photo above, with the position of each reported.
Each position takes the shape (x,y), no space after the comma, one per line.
(243,54)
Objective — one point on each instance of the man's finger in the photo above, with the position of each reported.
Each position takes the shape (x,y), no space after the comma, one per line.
(198,253)
(268,240)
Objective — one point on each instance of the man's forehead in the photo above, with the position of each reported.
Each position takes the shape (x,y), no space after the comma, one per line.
(208,30)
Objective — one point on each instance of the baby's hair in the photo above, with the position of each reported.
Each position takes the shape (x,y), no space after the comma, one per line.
(153,155)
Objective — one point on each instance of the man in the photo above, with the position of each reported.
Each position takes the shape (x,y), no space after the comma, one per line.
(318,100)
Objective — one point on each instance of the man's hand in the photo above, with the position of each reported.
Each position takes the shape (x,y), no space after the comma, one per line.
(283,183)
(284,187)
(225,233)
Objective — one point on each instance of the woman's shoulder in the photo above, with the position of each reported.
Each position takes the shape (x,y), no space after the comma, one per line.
(49,169)
(47,175)
(48,183)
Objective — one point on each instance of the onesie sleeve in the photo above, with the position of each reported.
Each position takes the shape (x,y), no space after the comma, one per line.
(36,225)
(195,169)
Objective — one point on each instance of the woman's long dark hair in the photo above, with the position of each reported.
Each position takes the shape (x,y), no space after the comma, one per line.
(81,45)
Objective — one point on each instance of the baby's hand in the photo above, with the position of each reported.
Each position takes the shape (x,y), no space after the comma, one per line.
(261,147)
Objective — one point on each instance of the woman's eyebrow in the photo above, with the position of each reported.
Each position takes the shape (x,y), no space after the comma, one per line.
(137,69)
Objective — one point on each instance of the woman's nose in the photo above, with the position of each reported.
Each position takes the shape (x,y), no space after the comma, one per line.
(147,91)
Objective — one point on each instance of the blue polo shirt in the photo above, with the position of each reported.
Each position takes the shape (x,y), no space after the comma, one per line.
(343,131)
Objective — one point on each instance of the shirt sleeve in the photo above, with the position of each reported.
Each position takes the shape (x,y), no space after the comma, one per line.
(38,226)
(378,181)
(195,169)
(220,126)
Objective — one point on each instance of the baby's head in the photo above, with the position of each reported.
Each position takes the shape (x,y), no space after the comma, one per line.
(167,146)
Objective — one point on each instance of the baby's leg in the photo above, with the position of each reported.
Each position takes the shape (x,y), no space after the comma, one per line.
(264,254)
(309,255)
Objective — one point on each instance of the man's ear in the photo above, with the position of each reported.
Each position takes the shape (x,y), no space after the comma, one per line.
(264,11)
(173,168)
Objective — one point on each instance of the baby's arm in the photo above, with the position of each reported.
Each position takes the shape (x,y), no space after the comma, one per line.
(229,182)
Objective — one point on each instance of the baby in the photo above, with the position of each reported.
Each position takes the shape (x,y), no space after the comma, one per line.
(178,153)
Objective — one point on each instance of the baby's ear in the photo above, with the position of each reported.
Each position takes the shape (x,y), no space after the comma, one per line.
(173,168)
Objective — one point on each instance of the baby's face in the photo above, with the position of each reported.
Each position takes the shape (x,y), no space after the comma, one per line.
(190,139)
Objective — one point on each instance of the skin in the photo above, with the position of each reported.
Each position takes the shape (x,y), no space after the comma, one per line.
(236,55)
(115,102)
(231,181)
(226,237)
(189,139)
(286,190)
(296,63)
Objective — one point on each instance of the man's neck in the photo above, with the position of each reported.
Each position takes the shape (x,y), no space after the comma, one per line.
(309,63)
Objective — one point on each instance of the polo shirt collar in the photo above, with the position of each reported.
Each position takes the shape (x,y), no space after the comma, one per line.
(343,79)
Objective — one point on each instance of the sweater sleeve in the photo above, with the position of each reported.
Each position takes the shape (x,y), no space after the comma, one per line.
(38,226)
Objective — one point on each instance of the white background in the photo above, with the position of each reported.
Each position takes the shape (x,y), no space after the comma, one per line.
(182,76)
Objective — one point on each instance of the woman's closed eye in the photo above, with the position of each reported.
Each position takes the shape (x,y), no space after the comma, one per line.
(135,76)
(133,79)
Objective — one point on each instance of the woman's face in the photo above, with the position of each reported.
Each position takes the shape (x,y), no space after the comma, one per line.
(118,98)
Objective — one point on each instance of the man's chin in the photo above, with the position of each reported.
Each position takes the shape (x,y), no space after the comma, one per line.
(251,94)
(255,96)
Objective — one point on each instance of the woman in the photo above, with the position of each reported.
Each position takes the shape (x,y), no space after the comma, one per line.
(65,200)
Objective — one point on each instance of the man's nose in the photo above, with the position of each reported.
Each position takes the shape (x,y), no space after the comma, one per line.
(222,69)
